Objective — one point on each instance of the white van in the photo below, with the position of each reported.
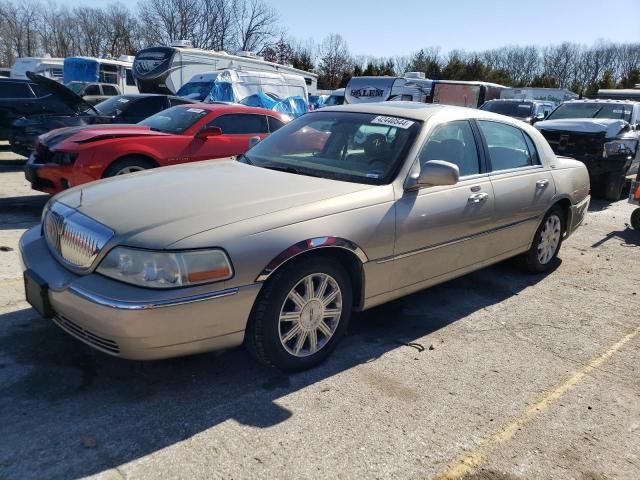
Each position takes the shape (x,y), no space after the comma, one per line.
(46,66)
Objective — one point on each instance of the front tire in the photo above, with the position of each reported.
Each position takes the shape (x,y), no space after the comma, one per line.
(300,315)
(635,219)
(546,242)
(126,165)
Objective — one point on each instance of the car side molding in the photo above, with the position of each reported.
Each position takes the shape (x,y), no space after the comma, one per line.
(308,245)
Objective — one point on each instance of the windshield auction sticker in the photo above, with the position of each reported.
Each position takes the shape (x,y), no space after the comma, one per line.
(195,110)
(392,122)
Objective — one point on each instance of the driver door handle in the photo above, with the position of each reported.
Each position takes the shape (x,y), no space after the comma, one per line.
(542,183)
(478,197)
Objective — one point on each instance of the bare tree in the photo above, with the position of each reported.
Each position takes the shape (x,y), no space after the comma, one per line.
(255,24)
(335,61)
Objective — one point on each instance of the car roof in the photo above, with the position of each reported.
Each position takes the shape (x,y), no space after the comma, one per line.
(602,100)
(231,108)
(412,110)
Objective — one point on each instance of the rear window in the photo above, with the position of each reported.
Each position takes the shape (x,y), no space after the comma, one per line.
(511,109)
(15,90)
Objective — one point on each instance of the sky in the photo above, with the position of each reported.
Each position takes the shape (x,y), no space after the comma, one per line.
(383,28)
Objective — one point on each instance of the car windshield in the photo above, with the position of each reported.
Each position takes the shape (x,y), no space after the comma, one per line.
(511,109)
(334,100)
(112,107)
(75,87)
(617,111)
(196,90)
(352,147)
(174,120)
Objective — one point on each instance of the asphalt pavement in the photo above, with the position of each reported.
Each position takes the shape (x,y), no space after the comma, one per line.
(496,375)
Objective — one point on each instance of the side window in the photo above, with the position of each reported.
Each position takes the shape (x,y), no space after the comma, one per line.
(533,151)
(130,80)
(15,90)
(92,90)
(507,146)
(108,73)
(143,108)
(173,101)
(240,124)
(38,90)
(274,124)
(453,142)
(110,90)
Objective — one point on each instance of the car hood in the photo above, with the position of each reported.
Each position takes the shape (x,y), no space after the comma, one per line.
(93,133)
(610,127)
(74,101)
(157,208)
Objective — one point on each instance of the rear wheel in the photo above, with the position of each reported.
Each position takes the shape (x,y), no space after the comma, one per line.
(300,315)
(127,165)
(635,219)
(613,186)
(546,242)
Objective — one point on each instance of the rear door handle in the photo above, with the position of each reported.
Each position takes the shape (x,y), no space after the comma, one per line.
(478,197)
(542,183)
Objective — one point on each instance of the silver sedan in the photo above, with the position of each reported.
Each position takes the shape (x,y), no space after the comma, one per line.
(343,209)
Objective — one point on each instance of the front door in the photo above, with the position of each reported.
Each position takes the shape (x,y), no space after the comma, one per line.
(237,131)
(441,229)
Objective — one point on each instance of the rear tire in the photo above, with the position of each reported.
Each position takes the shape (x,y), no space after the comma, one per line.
(635,219)
(546,243)
(295,332)
(613,185)
(127,165)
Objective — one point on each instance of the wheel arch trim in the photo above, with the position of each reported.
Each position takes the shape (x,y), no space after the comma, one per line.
(309,245)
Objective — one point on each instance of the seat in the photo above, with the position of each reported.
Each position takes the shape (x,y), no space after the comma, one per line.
(450,150)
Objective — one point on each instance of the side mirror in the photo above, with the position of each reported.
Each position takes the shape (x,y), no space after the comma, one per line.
(209,132)
(539,117)
(432,174)
(253,141)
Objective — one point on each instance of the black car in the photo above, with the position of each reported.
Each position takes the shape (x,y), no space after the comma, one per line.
(604,135)
(118,109)
(24,98)
(530,111)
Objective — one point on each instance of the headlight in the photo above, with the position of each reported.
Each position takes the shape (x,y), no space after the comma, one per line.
(155,269)
(620,147)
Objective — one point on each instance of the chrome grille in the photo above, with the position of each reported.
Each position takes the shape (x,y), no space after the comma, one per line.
(105,344)
(75,238)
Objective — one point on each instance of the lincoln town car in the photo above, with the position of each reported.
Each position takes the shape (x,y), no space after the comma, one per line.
(338,211)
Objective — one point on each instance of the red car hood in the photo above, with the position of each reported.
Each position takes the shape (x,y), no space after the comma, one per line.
(86,134)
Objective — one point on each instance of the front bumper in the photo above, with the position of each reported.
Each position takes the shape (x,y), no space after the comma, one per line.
(577,213)
(48,177)
(138,323)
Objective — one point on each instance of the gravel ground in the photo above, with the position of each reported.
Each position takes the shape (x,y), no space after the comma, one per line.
(496,375)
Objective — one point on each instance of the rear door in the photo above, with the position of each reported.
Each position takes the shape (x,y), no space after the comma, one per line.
(523,187)
(444,229)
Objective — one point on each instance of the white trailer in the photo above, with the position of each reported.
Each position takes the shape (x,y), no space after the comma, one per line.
(46,66)
(167,69)
(555,95)
(102,70)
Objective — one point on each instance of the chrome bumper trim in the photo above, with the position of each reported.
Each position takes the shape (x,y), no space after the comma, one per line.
(124,305)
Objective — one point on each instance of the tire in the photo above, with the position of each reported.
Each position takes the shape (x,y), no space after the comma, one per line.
(613,185)
(277,343)
(635,219)
(540,259)
(127,165)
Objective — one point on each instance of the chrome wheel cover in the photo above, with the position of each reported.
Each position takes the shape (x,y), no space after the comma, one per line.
(310,315)
(549,239)
(129,169)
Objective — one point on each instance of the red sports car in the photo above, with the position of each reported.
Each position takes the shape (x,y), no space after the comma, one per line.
(72,156)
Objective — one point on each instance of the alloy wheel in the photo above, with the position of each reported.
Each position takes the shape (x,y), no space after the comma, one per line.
(549,239)
(310,314)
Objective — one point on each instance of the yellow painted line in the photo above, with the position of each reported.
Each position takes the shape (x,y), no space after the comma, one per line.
(472,460)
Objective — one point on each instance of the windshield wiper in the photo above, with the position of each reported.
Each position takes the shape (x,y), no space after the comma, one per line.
(242,158)
(290,170)
(154,129)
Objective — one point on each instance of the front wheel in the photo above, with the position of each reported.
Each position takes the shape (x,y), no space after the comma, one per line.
(300,315)
(635,219)
(127,165)
(546,242)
